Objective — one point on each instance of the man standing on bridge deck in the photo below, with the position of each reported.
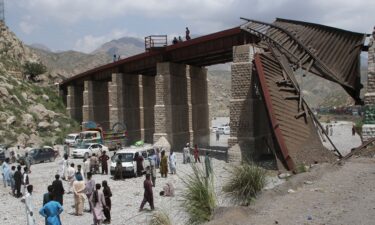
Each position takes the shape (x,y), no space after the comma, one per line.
(187,36)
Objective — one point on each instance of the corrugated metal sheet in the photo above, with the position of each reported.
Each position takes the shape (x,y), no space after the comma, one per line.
(326,51)
(296,136)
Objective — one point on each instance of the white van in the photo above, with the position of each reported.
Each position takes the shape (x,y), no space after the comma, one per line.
(127,158)
(71,139)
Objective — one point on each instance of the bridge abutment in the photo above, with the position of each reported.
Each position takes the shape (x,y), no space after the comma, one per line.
(249,122)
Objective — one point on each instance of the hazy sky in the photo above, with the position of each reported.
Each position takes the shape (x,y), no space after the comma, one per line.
(86,24)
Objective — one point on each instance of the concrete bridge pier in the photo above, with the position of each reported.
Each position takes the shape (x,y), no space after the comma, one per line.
(181,109)
(95,103)
(147,100)
(198,106)
(74,102)
(249,123)
(124,104)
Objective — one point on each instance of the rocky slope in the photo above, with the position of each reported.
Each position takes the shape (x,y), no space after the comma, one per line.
(30,114)
(123,47)
(65,64)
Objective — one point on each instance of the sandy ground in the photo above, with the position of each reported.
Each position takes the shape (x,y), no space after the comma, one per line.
(326,195)
(337,195)
(127,196)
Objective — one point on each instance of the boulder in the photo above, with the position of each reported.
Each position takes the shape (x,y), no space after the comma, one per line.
(4,92)
(56,124)
(27,120)
(11,120)
(41,112)
(15,99)
(22,139)
(34,140)
(45,97)
(24,95)
(44,125)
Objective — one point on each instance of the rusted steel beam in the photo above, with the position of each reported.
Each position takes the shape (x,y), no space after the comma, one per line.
(280,139)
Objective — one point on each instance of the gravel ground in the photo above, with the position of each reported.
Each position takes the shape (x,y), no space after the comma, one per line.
(342,137)
(127,196)
(340,190)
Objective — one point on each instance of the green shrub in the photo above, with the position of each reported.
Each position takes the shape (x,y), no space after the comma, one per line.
(33,69)
(160,218)
(245,182)
(199,198)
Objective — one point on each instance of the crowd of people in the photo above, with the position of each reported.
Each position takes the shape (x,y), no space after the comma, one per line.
(81,184)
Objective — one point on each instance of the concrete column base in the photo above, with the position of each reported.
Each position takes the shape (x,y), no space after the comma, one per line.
(368,131)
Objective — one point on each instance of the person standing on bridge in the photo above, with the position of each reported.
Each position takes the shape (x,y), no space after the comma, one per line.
(187,36)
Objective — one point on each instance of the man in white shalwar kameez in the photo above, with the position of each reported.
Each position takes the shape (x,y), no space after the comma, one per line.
(71,177)
(28,200)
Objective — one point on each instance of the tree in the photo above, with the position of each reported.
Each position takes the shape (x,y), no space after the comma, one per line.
(33,69)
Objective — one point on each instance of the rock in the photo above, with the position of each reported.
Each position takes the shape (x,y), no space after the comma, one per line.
(45,97)
(56,124)
(24,95)
(27,120)
(308,182)
(14,98)
(3,116)
(11,120)
(44,125)
(290,191)
(4,92)
(22,139)
(34,140)
(284,175)
(41,112)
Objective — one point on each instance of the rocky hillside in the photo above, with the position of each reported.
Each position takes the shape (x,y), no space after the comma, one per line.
(219,92)
(65,64)
(123,47)
(30,113)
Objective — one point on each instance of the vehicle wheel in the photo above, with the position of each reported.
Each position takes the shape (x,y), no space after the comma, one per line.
(52,159)
(86,156)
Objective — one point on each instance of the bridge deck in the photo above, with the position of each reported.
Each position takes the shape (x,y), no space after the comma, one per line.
(207,50)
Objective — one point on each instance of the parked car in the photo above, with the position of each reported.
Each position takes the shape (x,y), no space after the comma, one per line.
(71,139)
(38,155)
(128,163)
(224,130)
(85,150)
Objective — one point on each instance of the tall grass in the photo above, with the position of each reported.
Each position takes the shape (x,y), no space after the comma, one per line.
(160,218)
(199,198)
(245,182)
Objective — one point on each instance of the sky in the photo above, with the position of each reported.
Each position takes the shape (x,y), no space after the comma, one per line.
(84,25)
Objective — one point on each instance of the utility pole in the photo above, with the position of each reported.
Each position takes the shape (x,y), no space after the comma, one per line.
(2,11)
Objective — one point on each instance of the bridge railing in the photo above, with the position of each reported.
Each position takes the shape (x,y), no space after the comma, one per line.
(155,41)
